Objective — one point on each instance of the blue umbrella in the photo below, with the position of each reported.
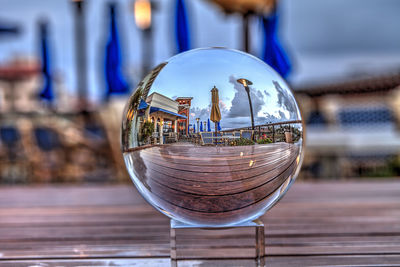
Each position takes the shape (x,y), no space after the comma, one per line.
(208,125)
(219,126)
(273,53)
(116,83)
(182,33)
(47,91)
(194,128)
(201,126)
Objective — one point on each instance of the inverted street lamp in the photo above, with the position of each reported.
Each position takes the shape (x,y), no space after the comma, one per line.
(246,84)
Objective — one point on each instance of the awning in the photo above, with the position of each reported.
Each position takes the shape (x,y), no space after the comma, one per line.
(143,104)
(155,109)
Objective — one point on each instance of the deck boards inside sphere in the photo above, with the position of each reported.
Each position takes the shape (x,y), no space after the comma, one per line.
(231,183)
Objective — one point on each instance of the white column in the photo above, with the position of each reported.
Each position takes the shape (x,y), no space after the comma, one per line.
(155,128)
(161,131)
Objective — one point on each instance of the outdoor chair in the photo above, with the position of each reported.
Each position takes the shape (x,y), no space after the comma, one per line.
(50,158)
(196,139)
(9,137)
(247,134)
(47,139)
(206,138)
(171,138)
(218,139)
(236,134)
(13,164)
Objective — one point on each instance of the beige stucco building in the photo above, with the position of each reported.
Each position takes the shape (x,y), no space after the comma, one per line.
(163,112)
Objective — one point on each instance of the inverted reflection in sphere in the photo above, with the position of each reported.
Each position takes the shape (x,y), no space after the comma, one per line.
(212,137)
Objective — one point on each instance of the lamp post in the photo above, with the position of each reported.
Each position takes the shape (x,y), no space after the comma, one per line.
(247,9)
(80,53)
(143,20)
(246,84)
(198,128)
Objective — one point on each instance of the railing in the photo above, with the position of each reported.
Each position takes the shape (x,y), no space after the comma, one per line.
(258,129)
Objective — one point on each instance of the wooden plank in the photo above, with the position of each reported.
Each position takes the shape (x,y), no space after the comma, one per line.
(316,224)
(365,261)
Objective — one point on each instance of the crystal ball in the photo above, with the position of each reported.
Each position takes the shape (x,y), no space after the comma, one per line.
(212,137)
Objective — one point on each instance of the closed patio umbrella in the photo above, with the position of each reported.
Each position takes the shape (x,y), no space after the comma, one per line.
(201,126)
(215,111)
(273,52)
(182,31)
(208,125)
(47,90)
(115,81)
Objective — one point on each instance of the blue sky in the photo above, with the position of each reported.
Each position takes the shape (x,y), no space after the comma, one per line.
(195,73)
(327,40)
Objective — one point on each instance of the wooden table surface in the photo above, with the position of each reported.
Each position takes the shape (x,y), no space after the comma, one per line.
(316,224)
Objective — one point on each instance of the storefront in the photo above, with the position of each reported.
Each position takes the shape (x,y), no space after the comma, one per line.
(163,112)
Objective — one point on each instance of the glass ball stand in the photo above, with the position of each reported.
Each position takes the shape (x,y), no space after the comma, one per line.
(259,238)
(213,137)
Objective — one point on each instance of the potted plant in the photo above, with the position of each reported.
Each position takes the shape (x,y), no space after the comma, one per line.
(147,130)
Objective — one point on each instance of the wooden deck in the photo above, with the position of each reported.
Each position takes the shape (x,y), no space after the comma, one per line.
(316,224)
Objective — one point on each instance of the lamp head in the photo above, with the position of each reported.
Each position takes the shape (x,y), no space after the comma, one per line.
(244,82)
(142,10)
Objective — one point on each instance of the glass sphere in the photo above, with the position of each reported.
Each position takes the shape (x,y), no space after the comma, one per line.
(212,137)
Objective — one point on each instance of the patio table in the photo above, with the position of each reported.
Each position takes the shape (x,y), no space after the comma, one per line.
(315,224)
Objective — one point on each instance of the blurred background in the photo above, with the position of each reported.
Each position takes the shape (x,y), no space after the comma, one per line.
(68,67)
